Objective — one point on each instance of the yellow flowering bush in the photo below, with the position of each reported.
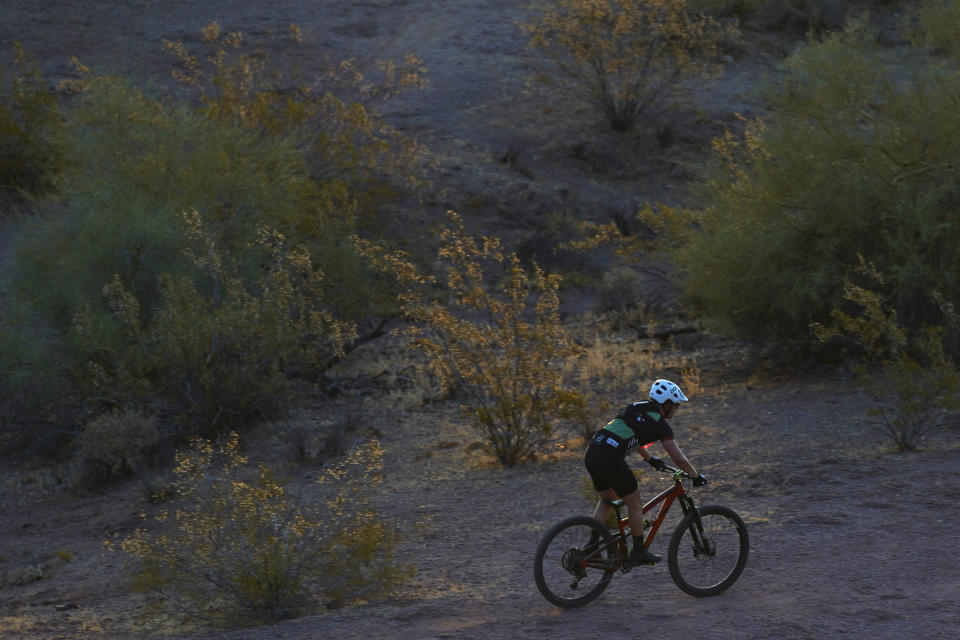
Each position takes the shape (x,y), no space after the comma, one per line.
(495,335)
(237,549)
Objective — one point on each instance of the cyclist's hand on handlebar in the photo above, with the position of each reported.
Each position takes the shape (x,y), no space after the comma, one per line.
(657,463)
(700,480)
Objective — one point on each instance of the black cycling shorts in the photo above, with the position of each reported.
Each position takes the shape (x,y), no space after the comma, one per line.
(609,470)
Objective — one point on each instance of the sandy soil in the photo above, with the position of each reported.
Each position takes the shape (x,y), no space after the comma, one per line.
(848,539)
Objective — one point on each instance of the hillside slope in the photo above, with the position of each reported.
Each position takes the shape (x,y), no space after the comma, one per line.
(848,539)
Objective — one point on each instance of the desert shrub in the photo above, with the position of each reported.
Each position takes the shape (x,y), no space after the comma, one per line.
(627,57)
(856,158)
(37,399)
(30,127)
(911,379)
(137,165)
(934,23)
(641,273)
(219,348)
(496,336)
(114,444)
(360,163)
(236,549)
(620,288)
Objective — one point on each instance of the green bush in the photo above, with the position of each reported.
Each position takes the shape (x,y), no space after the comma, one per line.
(934,23)
(114,444)
(219,348)
(235,549)
(360,163)
(630,58)
(858,157)
(37,400)
(137,164)
(911,379)
(30,127)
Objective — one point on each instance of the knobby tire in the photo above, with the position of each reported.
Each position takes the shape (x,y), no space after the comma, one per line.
(556,554)
(711,567)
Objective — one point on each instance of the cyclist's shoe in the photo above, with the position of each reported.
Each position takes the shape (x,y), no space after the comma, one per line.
(641,555)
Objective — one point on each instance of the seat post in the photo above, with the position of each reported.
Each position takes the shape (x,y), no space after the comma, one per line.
(616,504)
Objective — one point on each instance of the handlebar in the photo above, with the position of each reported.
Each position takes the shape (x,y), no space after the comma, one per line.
(680,474)
(676,473)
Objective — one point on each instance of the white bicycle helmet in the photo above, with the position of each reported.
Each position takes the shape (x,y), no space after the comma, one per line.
(663,390)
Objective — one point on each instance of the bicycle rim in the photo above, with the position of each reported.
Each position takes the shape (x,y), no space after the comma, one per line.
(557,568)
(707,564)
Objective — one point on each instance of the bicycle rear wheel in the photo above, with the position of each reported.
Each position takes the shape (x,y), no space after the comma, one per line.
(558,565)
(708,551)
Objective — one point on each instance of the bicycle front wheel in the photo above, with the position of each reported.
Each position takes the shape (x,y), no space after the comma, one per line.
(708,551)
(569,573)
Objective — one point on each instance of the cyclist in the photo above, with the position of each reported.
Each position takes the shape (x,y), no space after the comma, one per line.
(637,425)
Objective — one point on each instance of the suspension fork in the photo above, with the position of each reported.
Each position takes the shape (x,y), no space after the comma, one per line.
(696,524)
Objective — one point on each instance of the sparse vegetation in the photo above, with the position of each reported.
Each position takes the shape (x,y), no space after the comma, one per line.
(235,549)
(102,268)
(912,380)
(629,58)
(218,349)
(114,444)
(191,269)
(933,23)
(31,151)
(495,336)
(358,162)
(642,275)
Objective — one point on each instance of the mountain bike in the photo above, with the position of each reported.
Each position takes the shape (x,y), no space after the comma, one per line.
(706,554)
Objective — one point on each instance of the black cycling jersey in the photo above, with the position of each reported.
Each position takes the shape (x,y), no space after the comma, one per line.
(636,425)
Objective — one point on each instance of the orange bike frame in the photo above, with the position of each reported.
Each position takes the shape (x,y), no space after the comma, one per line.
(667,496)
(665,499)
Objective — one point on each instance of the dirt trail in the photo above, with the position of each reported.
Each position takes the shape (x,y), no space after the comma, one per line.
(844,535)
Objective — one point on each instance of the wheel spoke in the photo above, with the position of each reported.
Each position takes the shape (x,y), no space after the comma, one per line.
(707,562)
(561,574)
